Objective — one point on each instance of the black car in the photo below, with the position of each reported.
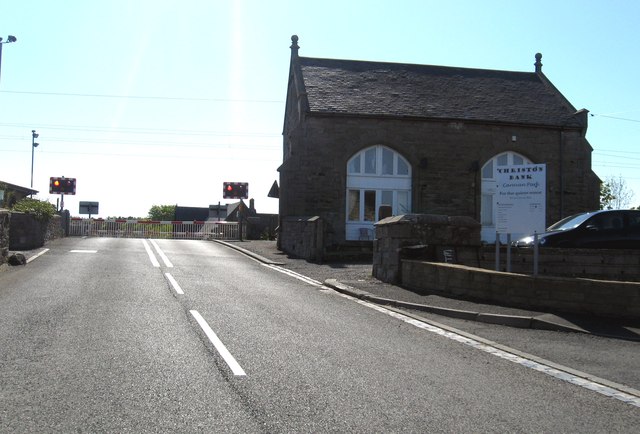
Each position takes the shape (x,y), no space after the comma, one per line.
(607,229)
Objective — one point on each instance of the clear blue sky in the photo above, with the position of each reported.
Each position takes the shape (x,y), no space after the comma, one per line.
(158,102)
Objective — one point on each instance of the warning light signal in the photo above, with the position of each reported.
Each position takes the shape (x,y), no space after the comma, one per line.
(62,185)
(235,190)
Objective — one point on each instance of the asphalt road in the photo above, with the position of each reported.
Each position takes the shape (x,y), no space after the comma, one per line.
(126,335)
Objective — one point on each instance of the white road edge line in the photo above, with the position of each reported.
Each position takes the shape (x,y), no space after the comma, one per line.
(166,260)
(174,283)
(527,363)
(295,275)
(217,343)
(152,257)
(37,255)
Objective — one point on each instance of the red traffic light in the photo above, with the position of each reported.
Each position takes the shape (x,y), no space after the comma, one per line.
(235,190)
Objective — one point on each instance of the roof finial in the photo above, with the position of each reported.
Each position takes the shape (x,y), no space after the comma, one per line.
(294,45)
(538,64)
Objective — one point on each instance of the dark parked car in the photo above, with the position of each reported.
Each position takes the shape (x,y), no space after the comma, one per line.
(607,229)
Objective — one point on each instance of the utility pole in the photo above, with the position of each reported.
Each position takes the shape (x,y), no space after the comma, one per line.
(34,145)
(9,40)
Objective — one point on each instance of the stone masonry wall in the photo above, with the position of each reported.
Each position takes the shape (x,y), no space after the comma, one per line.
(603,264)
(578,296)
(445,158)
(302,237)
(449,239)
(4,235)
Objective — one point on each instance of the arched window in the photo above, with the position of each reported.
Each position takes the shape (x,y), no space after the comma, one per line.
(375,176)
(489,175)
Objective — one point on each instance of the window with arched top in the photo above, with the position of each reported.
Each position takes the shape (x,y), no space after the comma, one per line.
(375,176)
(489,176)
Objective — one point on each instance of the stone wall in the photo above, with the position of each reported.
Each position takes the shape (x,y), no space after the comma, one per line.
(445,158)
(427,236)
(603,264)
(56,228)
(302,237)
(28,233)
(570,295)
(4,235)
(443,254)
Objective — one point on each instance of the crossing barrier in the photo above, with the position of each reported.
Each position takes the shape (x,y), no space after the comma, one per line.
(186,230)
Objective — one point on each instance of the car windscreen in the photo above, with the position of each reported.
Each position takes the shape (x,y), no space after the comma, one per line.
(569,222)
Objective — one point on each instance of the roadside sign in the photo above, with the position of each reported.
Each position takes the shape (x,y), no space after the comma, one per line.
(89,208)
(521,199)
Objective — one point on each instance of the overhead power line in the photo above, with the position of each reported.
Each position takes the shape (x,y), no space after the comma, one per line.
(125,130)
(166,98)
(615,117)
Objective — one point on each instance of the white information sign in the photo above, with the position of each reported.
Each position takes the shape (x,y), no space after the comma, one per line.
(521,199)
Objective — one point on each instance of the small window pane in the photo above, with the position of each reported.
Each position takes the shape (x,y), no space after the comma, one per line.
(353,205)
(486,217)
(354,164)
(403,203)
(369,205)
(387,198)
(487,170)
(387,161)
(518,160)
(370,161)
(403,167)
(503,160)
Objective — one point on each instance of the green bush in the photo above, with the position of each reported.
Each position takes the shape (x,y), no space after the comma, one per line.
(41,210)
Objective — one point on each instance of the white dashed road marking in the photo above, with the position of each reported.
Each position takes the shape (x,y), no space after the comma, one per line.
(174,283)
(217,343)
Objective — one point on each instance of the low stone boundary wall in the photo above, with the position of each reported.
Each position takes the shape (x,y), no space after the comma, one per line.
(20,231)
(302,237)
(4,235)
(602,264)
(437,237)
(560,294)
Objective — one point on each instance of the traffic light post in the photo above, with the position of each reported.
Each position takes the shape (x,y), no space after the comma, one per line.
(61,185)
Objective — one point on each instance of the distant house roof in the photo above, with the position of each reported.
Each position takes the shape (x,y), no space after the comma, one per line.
(364,88)
(23,190)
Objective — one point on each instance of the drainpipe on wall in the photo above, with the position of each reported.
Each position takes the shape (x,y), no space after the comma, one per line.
(561,173)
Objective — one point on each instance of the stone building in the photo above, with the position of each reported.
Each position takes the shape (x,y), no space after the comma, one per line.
(422,139)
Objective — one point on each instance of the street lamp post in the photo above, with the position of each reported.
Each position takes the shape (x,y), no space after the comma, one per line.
(34,136)
(10,39)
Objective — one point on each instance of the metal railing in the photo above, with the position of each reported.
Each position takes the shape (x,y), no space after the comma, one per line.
(182,230)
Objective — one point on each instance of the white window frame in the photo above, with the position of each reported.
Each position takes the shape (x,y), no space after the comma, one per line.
(398,184)
(488,190)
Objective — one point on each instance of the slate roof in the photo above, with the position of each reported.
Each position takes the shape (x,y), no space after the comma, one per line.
(425,91)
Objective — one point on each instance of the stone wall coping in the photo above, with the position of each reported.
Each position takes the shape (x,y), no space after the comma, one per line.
(430,219)
(301,218)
